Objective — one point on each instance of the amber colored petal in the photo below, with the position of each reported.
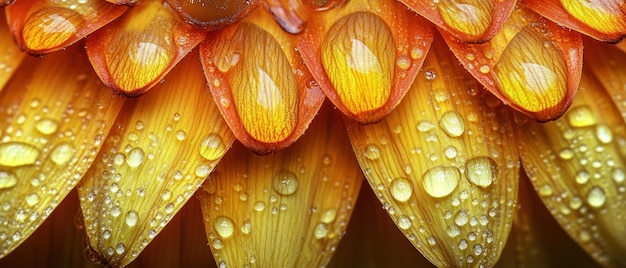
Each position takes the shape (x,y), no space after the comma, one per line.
(42,26)
(53,123)
(609,66)
(134,53)
(11,57)
(6,2)
(468,20)
(288,209)
(537,240)
(263,89)
(212,15)
(372,239)
(365,55)
(444,166)
(602,20)
(532,65)
(576,165)
(622,46)
(163,147)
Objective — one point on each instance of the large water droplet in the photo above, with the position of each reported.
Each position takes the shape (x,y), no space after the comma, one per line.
(596,197)
(8,179)
(15,154)
(440,181)
(452,123)
(212,147)
(224,226)
(135,157)
(285,182)
(581,116)
(481,171)
(47,126)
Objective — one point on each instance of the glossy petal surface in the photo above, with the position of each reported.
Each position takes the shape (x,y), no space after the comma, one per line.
(162,148)
(11,57)
(444,166)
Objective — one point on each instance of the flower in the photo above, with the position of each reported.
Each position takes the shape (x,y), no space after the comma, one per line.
(449,161)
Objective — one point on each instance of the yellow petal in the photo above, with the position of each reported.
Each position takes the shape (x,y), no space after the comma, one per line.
(607,64)
(53,123)
(11,56)
(163,147)
(575,164)
(444,166)
(135,52)
(288,209)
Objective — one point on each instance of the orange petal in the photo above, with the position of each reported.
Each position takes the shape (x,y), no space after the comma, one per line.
(52,125)
(602,20)
(163,147)
(134,53)
(444,165)
(609,65)
(212,15)
(575,164)
(11,56)
(42,26)
(266,94)
(292,16)
(467,20)
(532,65)
(287,209)
(365,55)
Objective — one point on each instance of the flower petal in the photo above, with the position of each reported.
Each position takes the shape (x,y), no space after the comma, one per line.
(163,147)
(42,26)
(267,103)
(365,55)
(52,126)
(292,16)
(134,53)
(468,20)
(575,164)
(532,65)
(603,20)
(444,166)
(607,64)
(288,209)
(11,56)
(212,15)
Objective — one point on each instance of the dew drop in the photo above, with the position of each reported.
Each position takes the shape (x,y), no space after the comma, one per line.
(321,230)
(372,152)
(8,179)
(246,227)
(461,218)
(401,189)
(425,125)
(115,211)
(15,154)
(285,182)
(440,181)
(47,126)
(32,199)
(581,116)
(131,218)
(120,248)
(596,197)
(604,133)
(62,153)
(212,147)
(135,157)
(181,135)
(452,123)
(329,215)
(404,222)
(481,171)
(224,226)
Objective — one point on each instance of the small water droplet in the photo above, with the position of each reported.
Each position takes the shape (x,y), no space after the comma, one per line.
(285,182)
(372,152)
(401,189)
(32,199)
(8,179)
(481,171)
(47,126)
(321,230)
(120,248)
(596,197)
(224,226)
(404,222)
(425,125)
(135,157)
(329,215)
(212,147)
(131,218)
(115,211)
(181,135)
(62,153)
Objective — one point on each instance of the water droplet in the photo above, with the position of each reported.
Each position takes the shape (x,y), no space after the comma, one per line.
(481,171)
(404,222)
(212,147)
(440,181)
(450,152)
(8,179)
(62,153)
(604,133)
(224,226)
(259,206)
(401,189)
(47,126)
(120,248)
(596,197)
(372,152)
(581,116)
(15,154)
(135,157)
(545,190)
(115,211)
(329,215)
(321,230)
(246,227)
(582,177)
(181,135)
(452,123)
(285,182)
(32,199)
(131,218)
(425,125)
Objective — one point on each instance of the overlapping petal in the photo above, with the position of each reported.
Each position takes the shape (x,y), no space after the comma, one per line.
(53,125)
(11,57)
(444,165)
(162,148)
(287,209)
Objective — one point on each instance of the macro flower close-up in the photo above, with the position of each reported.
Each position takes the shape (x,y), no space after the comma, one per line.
(297,133)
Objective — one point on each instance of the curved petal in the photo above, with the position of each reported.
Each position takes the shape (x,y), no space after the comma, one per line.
(262,88)
(288,209)
(532,65)
(473,21)
(134,53)
(603,20)
(293,15)
(53,123)
(576,164)
(11,56)
(163,147)
(42,26)
(365,55)
(444,166)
